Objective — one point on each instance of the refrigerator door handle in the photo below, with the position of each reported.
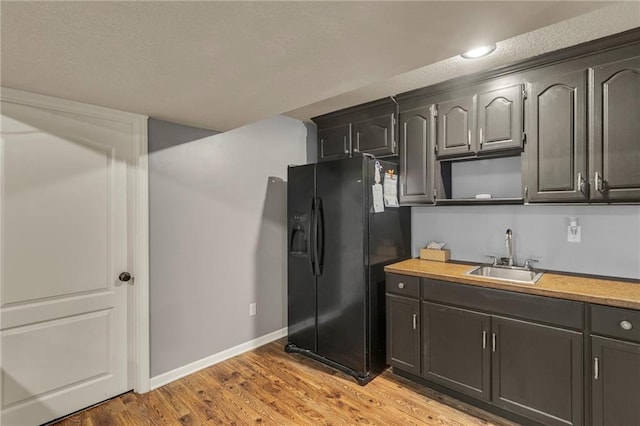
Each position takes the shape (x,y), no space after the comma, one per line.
(314,236)
(311,241)
(319,236)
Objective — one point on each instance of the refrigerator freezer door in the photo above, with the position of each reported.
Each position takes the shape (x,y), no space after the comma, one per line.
(300,253)
(341,294)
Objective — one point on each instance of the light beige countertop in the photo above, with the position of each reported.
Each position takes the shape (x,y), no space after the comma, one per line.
(610,292)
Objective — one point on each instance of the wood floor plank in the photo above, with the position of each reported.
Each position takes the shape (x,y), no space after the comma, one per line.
(270,386)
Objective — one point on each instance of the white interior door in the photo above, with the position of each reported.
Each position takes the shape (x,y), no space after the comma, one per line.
(64,210)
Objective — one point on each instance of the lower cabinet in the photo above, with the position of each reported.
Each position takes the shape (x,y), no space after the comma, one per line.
(537,371)
(523,366)
(403,333)
(615,365)
(615,382)
(455,352)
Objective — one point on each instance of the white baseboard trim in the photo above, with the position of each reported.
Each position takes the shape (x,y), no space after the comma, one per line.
(185,370)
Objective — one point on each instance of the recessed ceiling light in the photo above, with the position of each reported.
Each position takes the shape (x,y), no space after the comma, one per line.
(479,52)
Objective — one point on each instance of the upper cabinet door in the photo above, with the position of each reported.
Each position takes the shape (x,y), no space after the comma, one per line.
(416,155)
(455,124)
(556,151)
(615,140)
(500,119)
(375,135)
(334,142)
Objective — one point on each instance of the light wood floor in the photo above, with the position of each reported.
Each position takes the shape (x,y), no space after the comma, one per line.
(269,386)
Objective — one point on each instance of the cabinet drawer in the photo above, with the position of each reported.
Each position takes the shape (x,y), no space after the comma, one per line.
(548,310)
(405,285)
(615,322)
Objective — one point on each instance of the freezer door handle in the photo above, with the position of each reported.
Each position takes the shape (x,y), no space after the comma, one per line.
(314,237)
(319,251)
(310,241)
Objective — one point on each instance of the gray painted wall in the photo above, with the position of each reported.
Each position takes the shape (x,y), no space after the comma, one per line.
(217,236)
(610,235)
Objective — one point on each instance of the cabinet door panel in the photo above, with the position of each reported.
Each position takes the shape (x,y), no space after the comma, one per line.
(403,333)
(537,371)
(557,149)
(375,135)
(455,127)
(500,119)
(455,351)
(615,144)
(334,142)
(416,156)
(616,386)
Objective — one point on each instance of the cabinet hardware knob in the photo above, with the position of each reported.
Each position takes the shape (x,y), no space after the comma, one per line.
(124,276)
(400,285)
(626,325)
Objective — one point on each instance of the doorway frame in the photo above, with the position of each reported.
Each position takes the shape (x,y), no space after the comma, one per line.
(138,294)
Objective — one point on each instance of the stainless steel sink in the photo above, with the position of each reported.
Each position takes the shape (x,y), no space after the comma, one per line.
(507,273)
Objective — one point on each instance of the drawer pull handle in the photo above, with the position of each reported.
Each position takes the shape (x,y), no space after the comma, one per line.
(400,285)
(415,321)
(484,339)
(626,325)
(493,342)
(596,368)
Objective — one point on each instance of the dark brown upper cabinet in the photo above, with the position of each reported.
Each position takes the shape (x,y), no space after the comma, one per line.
(615,135)
(334,142)
(375,135)
(557,148)
(500,119)
(455,124)
(417,159)
(486,122)
(366,129)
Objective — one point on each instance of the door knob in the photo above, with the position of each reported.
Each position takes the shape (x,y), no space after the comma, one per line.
(124,276)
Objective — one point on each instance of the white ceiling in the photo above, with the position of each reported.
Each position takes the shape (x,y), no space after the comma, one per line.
(220,65)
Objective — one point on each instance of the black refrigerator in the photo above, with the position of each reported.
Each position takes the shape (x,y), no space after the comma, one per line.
(337,249)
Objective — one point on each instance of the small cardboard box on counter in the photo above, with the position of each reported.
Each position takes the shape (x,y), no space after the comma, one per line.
(442,255)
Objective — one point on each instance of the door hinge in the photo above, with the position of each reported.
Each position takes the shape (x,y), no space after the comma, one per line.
(524,93)
(435,148)
(526,191)
(524,137)
(394,119)
(435,193)
(434,112)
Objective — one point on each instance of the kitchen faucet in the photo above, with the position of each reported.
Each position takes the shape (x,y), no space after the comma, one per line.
(508,242)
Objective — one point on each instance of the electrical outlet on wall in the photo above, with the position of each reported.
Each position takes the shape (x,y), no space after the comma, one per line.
(252,309)
(574,230)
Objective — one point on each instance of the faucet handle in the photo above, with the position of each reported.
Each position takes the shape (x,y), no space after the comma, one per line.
(527,263)
(495,259)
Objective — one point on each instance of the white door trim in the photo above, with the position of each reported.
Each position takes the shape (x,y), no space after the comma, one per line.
(138,315)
